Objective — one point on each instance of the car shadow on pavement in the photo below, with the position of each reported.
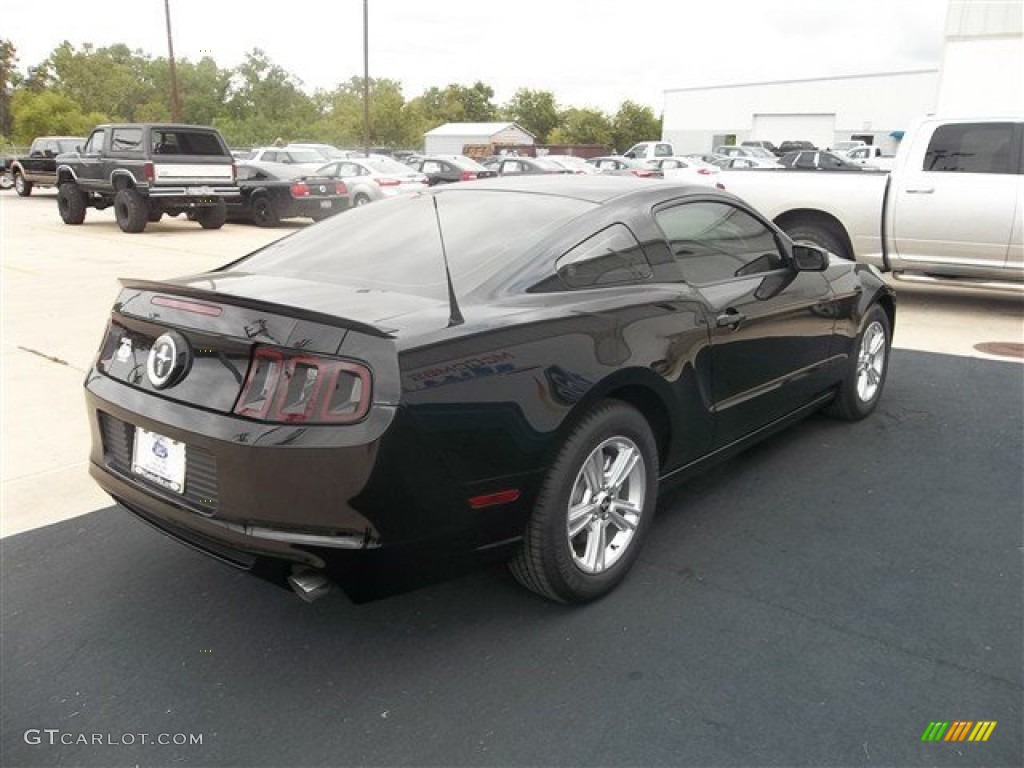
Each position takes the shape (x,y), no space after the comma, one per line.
(818,599)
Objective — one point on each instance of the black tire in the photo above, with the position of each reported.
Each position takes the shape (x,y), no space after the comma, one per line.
(359,200)
(820,235)
(558,564)
(130,210)
(212,217)
(867,368)
(71,203)
(153,215)
(22,187)
(263,212)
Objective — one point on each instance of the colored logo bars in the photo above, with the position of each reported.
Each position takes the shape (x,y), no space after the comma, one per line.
(959,730)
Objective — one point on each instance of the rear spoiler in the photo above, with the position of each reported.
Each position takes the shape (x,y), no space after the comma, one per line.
(261,306)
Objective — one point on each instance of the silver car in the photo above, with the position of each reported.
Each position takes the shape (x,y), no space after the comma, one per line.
(374,178)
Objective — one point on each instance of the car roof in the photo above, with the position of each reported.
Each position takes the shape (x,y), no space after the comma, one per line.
(594,188)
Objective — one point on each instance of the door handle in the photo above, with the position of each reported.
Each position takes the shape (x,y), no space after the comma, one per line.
(920,190)
(730,318)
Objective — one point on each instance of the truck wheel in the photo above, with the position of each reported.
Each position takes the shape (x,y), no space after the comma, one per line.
(865,373)
(154,214)
(264,214)
(130,210)
(71,203)
(594,507)
(212,217)
(22,187)
(820,235)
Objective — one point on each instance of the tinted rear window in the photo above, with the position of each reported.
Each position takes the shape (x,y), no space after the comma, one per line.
(394,244)
(971,148)
(186,142)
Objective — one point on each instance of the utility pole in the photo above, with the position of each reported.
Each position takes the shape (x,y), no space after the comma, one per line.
(366,78)
(175,103)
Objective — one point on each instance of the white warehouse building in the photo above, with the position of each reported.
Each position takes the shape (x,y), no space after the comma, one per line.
(874,108)
(981,73)
(450,138)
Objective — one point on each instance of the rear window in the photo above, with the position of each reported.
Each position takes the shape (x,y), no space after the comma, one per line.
(971,148)
(394,244)
(167,141)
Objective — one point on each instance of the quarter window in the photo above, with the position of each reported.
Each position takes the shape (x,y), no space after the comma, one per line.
(126,140)
(612,256)
(95,144)
(714,241)
(971,148)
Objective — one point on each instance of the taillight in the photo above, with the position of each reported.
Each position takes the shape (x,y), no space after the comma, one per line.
(388,182)
(644,174)
(467,176)
(299,189)
(234,173)
(704,171)
(285,388)
(148,172)
(340,188)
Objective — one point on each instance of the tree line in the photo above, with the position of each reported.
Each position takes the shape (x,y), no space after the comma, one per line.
(257,102)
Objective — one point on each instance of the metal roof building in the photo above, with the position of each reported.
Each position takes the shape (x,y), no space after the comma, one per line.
(450,138)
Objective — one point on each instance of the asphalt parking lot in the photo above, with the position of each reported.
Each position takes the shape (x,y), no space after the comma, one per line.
(816,601)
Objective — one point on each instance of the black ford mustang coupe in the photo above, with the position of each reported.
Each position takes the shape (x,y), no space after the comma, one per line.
(505,367)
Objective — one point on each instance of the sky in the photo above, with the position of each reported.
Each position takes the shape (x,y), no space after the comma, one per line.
(590,53)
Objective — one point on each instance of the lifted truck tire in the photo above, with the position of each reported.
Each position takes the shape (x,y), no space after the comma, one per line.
(71,203)
(212,217)
(130,210)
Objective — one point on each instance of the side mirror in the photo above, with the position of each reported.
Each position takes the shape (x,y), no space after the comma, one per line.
(808,258)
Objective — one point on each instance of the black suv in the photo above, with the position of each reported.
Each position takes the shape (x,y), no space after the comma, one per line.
(146,170)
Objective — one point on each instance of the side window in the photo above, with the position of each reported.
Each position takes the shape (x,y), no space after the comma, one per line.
(126,140)
(971,148)
(431,166)
(805,160)
(662,150)
(270,157)
(94,145)
(611,257)
(712,242)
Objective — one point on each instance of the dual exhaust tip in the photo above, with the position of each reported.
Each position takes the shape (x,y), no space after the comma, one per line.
(310,585)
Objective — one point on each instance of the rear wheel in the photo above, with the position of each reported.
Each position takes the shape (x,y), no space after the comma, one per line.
(212,217)
(153,215)
(22,187)
(264,214)
(865,376)
(594,507)
(71,203)
(130,210)
(820,235)
(360,199)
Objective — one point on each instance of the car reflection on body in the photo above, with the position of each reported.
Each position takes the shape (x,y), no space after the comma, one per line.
(504,369)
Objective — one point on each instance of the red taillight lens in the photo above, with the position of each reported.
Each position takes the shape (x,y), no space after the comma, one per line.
(644,174)
(467,176)
(148,172)
(340,188)
(388,182)
(286,388)
(704,171)
(299,189)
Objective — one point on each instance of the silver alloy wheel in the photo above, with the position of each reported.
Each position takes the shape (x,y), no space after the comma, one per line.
(605,505)
(870,361)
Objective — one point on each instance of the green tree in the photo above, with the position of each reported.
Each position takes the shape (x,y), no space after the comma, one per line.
(633,123)
(265,102)
(583,126)
(392,123)
(8,82)
(50,113)
(536,111)
(114,80)
(456,104)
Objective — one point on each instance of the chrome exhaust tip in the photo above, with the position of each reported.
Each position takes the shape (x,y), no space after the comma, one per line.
(308,584)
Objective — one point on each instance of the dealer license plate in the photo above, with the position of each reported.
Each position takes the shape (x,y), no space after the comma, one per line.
(159,459)
(199,191)
(325,203)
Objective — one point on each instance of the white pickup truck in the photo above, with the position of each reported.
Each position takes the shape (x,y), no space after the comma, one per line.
(951,209)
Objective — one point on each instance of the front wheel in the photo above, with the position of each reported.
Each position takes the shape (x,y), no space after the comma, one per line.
(71,203)
(594,507)
(212,217)
(861,390)
(21,186)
